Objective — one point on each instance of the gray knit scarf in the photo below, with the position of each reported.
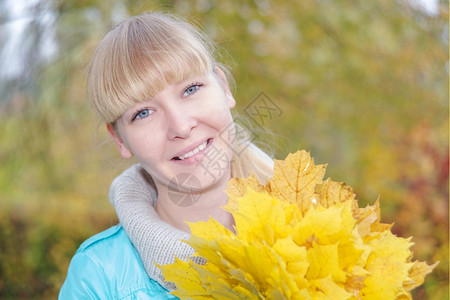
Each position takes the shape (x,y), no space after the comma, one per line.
(133,195)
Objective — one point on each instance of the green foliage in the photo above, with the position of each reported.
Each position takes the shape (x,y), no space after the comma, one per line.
(363,85)
(36,247)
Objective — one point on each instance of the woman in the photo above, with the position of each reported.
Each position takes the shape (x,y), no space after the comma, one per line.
(164,98)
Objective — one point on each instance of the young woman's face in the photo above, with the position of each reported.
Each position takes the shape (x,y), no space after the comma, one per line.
(185,129)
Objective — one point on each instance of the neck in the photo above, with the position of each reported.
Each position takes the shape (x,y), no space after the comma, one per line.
(177,207)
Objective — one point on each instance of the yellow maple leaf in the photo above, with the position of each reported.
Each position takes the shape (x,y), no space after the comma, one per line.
(237,187)
(368,220)
(184,274)
(327,225)
(324,261)
(269,218)
(294,255)
(417,274)
(295,178)
(297,237)
(388,265)
(330,193)
(329,289)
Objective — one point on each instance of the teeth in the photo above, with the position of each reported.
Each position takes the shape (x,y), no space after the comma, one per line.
(195,151)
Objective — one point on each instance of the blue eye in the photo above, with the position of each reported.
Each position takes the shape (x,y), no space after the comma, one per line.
(141,114)
(191,89)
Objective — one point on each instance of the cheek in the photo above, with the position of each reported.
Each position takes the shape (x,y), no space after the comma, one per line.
(145,144)
(224,124)
(222,120)
(219,112)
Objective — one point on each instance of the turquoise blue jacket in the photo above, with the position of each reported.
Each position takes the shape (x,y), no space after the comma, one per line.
(107,266)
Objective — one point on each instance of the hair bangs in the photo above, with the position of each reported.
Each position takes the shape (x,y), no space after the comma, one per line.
(163,63)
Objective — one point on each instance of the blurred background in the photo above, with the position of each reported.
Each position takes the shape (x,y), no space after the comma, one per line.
(363,85)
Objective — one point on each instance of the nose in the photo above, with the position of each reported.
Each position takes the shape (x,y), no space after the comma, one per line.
(179,123)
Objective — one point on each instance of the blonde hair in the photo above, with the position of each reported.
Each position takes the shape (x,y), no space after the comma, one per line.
(142,55)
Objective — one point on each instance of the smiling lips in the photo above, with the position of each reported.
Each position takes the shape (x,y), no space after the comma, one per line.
(193,152)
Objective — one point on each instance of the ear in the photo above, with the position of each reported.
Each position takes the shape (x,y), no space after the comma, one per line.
(123,149)
(226,87)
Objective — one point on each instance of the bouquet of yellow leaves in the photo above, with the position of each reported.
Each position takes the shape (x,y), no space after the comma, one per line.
(297,237)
